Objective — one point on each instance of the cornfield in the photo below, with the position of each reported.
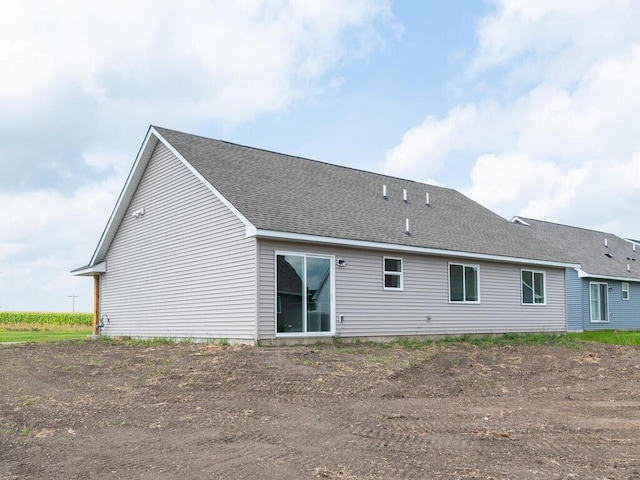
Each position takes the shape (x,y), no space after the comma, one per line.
(47,318)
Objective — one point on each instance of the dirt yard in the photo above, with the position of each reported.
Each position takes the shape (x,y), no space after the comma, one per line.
(454,411)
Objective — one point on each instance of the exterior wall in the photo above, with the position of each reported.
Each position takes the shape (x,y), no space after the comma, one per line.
(623,314)
(370,311)
(575,301)
(184,269)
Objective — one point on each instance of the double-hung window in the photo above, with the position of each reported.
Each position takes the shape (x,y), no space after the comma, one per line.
(533,287)
(392,273)
(625,291)
(464,283)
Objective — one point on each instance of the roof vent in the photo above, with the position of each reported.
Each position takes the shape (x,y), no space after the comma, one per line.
(406,224)
(608,255)
(634,246)
(628,267)
(384,192)
(427,200)
(404,195)
(606,243)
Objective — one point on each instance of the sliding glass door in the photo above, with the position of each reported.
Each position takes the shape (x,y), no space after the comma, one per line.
(304,293)
(599,296)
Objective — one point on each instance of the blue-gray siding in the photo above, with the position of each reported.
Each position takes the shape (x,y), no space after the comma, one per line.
(369,310)
(185,268)
(623,314)
(574,301)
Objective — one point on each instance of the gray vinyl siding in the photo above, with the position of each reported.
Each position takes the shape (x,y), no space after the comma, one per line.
(623,314)
(370,311)
(185,268)
(574,301)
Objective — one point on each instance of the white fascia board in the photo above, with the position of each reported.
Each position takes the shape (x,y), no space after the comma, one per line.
(250,229)
(297,237)
(90,270)
(583,274)
(130,186)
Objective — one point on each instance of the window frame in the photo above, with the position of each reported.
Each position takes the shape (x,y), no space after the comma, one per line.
(464,282)
(606,289)
(625,290)
(332,298)
(399,274)
(533,292)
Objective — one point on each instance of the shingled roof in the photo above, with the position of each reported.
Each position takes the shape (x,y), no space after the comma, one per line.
(284,193)
(600,254)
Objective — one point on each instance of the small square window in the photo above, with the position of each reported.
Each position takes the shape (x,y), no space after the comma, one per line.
(392,273)
(625,291)
(464,283)
(533,287)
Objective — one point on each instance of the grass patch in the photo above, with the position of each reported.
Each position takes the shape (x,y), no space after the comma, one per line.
(487,340)
(33,332)
(615,337)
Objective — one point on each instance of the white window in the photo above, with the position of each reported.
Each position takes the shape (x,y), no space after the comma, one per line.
(533,287)
(464,283)
(392,273)
(599,301)
(625,291)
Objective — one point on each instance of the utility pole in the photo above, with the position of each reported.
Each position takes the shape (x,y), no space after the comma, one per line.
(73,297)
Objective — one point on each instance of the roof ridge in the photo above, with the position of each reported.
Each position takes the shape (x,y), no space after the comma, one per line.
(569,226)
(360,170)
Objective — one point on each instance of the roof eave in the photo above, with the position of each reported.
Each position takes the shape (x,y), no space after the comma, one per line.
(584,274)
(272,234)
(90,270)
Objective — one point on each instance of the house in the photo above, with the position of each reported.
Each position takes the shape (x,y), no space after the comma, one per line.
(209,239)
(604,293)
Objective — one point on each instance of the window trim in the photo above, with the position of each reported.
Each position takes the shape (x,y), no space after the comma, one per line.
(464,266)
(599,284)
(625,290)
(544,287)
(399,274)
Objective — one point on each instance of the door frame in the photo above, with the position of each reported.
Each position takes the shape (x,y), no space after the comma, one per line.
(332,296)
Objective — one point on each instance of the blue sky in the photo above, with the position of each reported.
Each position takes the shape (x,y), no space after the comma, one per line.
(527,107)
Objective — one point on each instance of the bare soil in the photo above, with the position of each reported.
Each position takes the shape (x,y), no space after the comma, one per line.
(187,411)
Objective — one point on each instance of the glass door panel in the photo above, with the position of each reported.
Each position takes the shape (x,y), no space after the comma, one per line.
(304,296)
(290,285)
(318,294)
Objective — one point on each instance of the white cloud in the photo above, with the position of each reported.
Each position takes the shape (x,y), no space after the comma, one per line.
(81,81)
(561,141)
(43,234)
(81,75)
(218,59)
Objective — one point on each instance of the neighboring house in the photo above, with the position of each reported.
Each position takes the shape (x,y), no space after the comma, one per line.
(209,239)
(604,293)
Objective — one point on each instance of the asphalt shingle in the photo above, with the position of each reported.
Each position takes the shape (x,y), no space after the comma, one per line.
(290,194)
(587,247)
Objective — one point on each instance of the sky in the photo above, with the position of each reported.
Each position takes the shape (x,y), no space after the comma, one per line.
(529,108)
